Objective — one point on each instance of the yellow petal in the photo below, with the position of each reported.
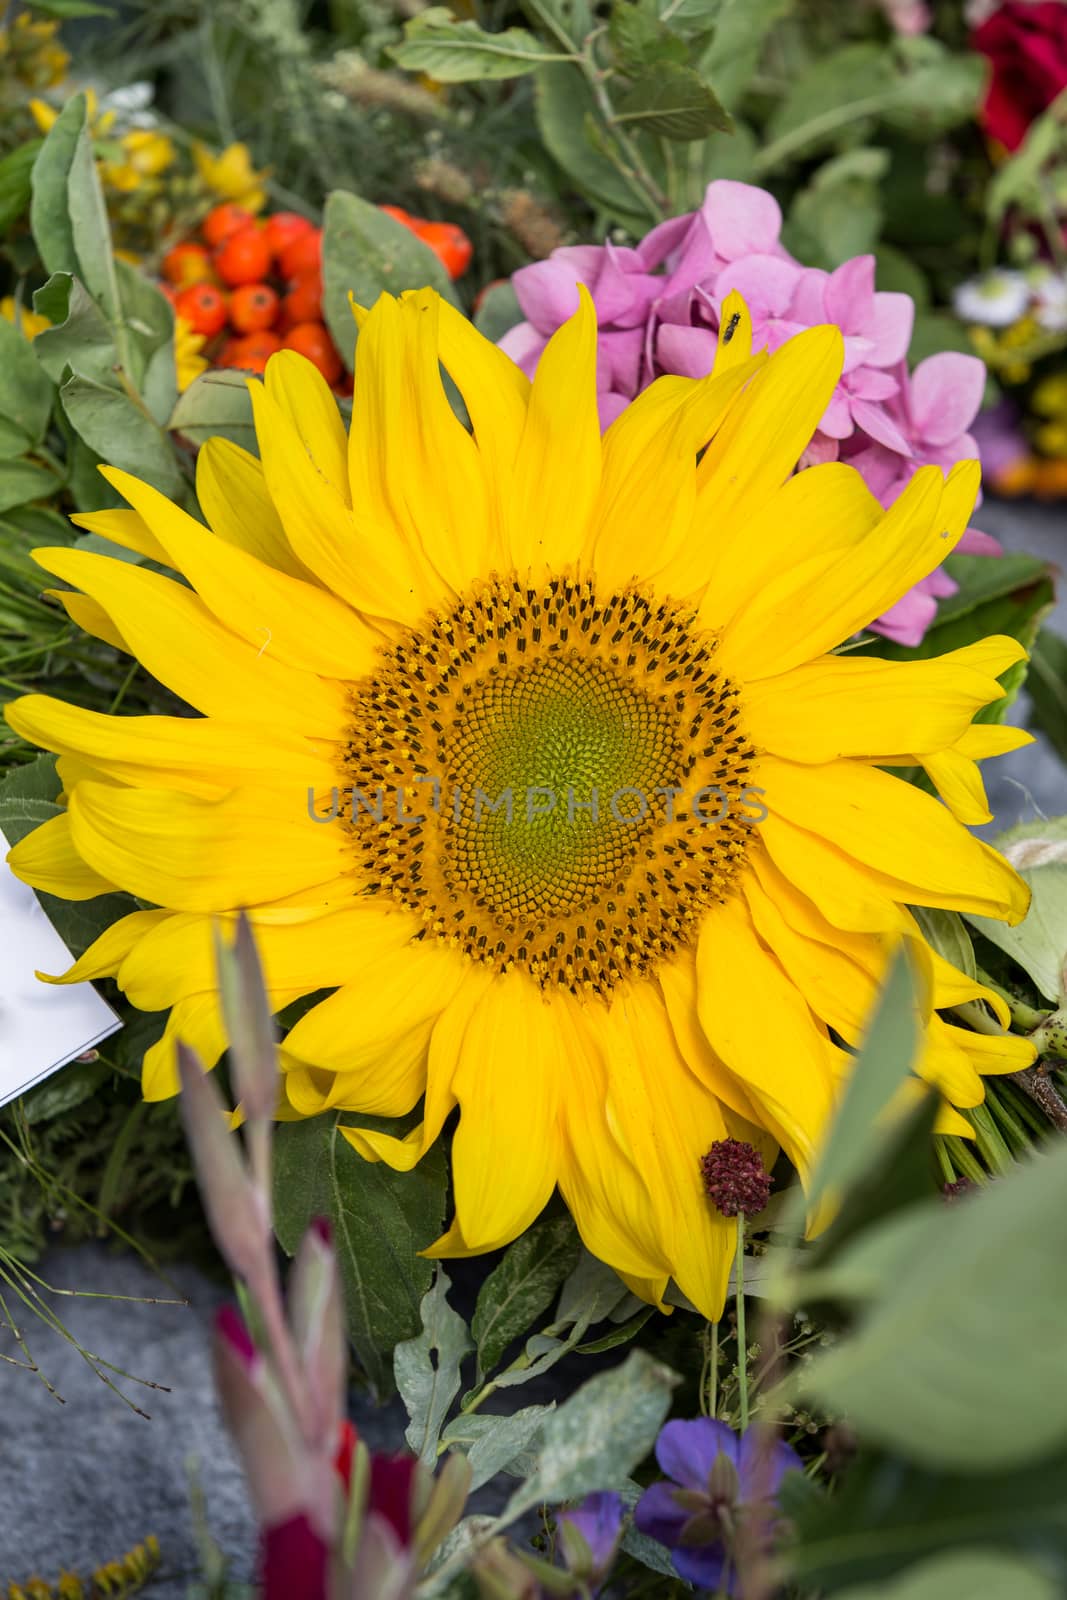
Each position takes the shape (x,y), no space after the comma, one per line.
(296,622)
(125,528)
(106,954)
(232,491)
(735,334)
(959,783)
(197,855)
(175,637)
(557,471)
(47,859)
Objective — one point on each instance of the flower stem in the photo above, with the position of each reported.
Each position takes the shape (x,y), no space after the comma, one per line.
(742,1342)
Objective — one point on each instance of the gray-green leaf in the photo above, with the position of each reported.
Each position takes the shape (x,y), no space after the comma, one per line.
(427,1368)
(522,1286)
(437,43)
(671,100)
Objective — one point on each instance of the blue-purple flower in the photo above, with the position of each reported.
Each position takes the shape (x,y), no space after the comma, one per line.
(589,1536)
(718,1477)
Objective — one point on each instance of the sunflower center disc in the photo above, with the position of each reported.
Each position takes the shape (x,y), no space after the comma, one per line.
(551,780)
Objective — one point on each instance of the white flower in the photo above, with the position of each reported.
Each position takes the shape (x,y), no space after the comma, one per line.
(1050,300)
(996,300)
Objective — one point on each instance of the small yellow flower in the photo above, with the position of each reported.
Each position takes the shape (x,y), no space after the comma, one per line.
(1049,398)
(146,153)
(188,361)
(100,122)
(231,175)
(29,321)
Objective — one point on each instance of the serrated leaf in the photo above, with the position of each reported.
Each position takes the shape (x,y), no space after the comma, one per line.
(671,100)
(563,101)
(638,37)
(438,43)
(217,404)
(596,1439)
(120,432)
(521,1286)
(367,253)
(427,1368)
(381,1220)
(26,393)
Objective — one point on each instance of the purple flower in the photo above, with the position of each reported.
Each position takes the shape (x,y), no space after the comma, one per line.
(598,1524)
(716,1475)
(658,311)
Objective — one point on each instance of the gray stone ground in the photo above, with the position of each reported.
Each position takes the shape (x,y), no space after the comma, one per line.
(84,1481)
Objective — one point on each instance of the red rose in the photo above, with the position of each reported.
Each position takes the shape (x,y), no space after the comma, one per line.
(1026,45)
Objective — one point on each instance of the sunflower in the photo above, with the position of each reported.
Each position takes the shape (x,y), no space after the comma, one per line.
(531,746)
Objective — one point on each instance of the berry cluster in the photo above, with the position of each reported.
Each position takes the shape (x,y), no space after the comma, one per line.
(252,287)
(446,239)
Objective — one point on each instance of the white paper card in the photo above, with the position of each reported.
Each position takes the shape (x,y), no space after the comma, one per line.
(42,1026)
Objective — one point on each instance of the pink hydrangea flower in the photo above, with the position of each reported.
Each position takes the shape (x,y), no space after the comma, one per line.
(658,310)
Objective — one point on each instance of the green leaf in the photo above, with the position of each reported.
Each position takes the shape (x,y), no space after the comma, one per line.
(65,9)
(884,1062)
(829,224)
(621,1335)
(91,231)
(381,1219)
(521,1286)
(1038,852)
(670,100)
(427,1368)
(885,1514)
(950,1366)
(736,46)
(367,253)
(15,182)
(978,1574)
(21,481)
(60,1094)
(498,1444)
(216,403)
(26,394)
(937,90)
(49,208)
(1047,683)
(117,429)
(639,39)
(34,780)
(836,92)
(945,930)
(935,331)
(896,273)
(600,1435)
(563,101)
(437,43)
(499,310)
(80,337)
(149,318)
(19,816)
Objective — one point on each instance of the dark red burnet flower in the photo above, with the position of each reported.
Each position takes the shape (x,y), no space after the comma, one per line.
(735,1179)
(1025,42)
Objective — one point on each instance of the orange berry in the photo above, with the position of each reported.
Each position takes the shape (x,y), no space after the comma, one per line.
(312,340)
(253,306)
(187,263)
(204,308)
(223,220)
(302,255)
(243,258)
(303,303)
(252,352)
(283,227)
(449,244)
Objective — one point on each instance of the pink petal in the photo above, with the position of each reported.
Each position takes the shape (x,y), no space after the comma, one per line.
(882,470)
(946,392)
(524,345)
(939,584)
(663,241)
(621,297)
(741,218)
(836,420)
(610,406)
(889,326)
(821,449)
(697,259)
(879,425)
(688,352)
(766,283)
(547,292)
(867,383)
(977,543)
(850,294)
(809,296)
(619,360)
(908,620)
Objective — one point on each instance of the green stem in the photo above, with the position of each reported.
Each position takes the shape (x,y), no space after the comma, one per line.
(826,122)
(713,1373)
(742,1341)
